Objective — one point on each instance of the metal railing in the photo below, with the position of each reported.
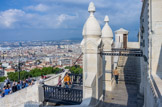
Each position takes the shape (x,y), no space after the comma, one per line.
(62,95)
(122,54)
(78,59)
(76,78)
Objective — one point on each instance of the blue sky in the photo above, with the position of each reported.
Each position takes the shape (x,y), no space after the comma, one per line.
(63,19)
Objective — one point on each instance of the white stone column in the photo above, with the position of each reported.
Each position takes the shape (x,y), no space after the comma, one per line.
(92,60)
(107,39)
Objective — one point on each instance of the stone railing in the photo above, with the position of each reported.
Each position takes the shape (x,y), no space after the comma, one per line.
(157,88)
(33,93)
(134,45)
(18,98)
(154,98)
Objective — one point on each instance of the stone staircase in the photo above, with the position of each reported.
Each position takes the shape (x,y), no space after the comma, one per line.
(129,69)
(126,93)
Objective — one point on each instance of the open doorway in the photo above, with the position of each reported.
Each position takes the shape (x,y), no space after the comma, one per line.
(125,41)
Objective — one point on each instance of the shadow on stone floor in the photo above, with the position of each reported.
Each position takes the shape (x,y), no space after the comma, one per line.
(126,93)
(132,78)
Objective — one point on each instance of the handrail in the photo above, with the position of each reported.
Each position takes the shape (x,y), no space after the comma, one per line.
(76,78)
(62,95)
(77,59)
(72,78)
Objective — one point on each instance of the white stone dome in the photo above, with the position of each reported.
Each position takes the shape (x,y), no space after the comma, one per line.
(107,31)
(91,27)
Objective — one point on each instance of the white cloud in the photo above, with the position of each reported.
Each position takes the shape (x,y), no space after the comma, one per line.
(39,7)
(14,18)
(120,12)
(9,17)
(61,16)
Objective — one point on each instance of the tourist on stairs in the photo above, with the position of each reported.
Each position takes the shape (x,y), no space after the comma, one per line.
(116,74)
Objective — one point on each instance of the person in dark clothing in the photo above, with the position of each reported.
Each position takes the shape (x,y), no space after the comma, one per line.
(29,80)
(7,81)
(18,86)
(116,74)
(2,94)
(14,88)
(23,84)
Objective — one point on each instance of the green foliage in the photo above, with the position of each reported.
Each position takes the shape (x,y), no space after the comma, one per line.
(56,70)
(36,72)
(2,79)
(33,73)
(75,69)
(24,75)
(13,76)
(67,67)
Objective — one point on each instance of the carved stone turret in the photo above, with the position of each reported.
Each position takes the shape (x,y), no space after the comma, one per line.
(107,39)
(92,60)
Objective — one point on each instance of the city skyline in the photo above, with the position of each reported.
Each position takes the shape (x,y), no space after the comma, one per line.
(57,20)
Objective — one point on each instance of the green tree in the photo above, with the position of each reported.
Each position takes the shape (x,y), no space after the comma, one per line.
(57,70)
(36,72)
(67,67)
(33,73)
(24,75)
(13,76)
(47,70)
(75,69)
(2,79)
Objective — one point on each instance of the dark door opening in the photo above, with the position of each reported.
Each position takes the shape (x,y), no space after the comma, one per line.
(125,41)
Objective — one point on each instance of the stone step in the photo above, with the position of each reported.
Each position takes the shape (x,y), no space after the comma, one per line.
(128,81)
(127,74)
(131,83)
(127,77)
(131,71)
(131,67)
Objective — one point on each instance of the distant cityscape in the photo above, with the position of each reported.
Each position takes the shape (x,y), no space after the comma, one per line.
(38,54)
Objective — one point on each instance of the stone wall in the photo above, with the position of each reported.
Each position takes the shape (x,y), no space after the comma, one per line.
(133,45)
(153,91)
(33,93)
(151,43)
(18,98)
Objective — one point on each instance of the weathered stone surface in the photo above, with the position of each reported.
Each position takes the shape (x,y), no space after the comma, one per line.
(33,104)
(33,93)
(92,60)
(125,94)
(151,45)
